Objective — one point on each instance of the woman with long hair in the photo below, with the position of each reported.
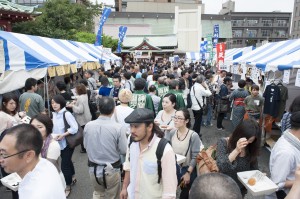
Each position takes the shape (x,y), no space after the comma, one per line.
(60,114)
(239,151)
(51,148)
(9,114)
(185,142)
(81,109)
(164,117)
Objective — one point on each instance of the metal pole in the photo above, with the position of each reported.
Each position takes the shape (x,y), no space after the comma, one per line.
(46,80)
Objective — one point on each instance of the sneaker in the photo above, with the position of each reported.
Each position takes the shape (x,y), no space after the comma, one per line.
(204,124)
(210,125)
(220,129)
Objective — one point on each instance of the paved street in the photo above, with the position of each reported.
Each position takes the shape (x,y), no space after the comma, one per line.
(83,189)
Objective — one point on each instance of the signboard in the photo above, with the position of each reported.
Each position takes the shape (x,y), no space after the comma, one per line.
(286,77)
(107,66)
(221,52)
(209,46)
(60,70)
(138,54)
(51,71)
(223,66)
(216,35)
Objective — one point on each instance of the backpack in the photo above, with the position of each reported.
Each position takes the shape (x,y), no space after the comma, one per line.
(206,160)
(159,153)
(188,101)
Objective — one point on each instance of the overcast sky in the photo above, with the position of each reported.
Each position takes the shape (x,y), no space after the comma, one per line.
(214,6)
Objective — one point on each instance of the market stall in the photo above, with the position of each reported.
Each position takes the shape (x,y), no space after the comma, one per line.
(23,56)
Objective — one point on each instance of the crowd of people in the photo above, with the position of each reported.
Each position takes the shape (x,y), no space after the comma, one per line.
(135,118)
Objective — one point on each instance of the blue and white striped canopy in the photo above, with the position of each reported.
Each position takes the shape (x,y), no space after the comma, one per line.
(96,51)
(274,56)
(193,55)
(232,54)
(29,52)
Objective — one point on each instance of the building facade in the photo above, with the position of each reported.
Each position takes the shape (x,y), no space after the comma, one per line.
(252,28)
(295,29)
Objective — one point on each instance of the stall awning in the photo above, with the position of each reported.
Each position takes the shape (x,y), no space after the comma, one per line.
(285,62)
(232,54)
(193,55)
(269,53)
(96,51)
(29,52)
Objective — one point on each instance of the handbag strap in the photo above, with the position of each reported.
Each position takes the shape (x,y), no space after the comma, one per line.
(197,99)
(65,121)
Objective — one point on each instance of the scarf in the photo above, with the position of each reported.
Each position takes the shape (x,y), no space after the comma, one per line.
(46,146)
(291,139)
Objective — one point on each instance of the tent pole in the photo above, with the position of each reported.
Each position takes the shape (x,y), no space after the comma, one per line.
(47,92)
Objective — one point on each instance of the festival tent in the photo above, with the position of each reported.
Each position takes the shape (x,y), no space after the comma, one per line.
(96,51)
(23,56)
(193,56)
(269,53)
(234,53)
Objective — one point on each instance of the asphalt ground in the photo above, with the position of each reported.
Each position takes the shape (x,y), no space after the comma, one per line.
(83,188)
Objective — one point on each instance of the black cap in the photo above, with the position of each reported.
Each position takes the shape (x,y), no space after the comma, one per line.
(295,120)
(140,115)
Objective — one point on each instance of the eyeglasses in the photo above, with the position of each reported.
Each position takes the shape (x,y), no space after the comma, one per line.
(177,118)
(3,156)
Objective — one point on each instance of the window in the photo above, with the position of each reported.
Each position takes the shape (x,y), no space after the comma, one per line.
(251,33)
(252,22)
(265,33)
(237,33)
(296,11)
(281,22)
(267,22)
(238,22)
(281,33)
(298,25)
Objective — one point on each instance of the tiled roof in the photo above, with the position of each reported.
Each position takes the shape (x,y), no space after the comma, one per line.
(12,7)
(155,40)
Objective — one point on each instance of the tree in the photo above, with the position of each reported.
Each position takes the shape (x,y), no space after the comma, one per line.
(87,37)
(61,19)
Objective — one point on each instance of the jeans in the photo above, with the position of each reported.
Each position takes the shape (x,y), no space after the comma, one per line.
(208,118)
(67,166)
(198,121)
(186,190)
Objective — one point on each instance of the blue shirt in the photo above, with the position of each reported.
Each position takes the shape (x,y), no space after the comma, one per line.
(59,125)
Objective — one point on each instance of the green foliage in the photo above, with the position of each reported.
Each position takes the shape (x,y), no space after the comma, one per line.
(60,19)
(109,42)
(86,37)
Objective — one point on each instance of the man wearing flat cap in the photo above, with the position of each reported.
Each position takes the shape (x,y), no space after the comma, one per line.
(141,168)
(285,156)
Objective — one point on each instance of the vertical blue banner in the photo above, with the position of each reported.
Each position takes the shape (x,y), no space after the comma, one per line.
(216,35)
(105,14)
(122,33)
(203,50)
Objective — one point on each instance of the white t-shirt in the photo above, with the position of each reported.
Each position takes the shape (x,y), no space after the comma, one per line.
(42,183)
(120,114)
(54,153)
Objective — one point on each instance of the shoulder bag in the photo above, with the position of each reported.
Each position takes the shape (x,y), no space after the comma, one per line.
(76,139)
(204,107)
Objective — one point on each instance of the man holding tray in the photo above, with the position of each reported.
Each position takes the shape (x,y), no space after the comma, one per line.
(285,157)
